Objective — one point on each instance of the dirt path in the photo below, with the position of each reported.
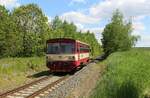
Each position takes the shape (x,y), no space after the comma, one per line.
(88,83)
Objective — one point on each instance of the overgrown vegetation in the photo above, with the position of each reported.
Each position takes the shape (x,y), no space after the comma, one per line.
(25,29)
(23,35)
(126,76)
(117,34)
(15,71)
(9,66)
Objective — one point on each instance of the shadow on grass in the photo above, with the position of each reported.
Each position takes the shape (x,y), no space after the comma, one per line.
(127,90)
(40,74)
(46,73)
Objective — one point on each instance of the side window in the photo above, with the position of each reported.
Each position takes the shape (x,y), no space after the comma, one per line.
(81,48)
(84,48)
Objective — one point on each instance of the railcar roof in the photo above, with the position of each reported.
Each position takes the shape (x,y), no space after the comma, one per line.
(67,39)
(82,42)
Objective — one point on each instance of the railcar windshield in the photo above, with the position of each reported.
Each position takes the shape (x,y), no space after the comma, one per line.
(53,48)
(60,48)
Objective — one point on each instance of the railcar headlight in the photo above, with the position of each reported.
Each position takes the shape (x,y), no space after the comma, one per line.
(71,57)
(48,58)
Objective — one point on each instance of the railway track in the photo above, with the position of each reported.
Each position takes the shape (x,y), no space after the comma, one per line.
(38,88)
(35,89)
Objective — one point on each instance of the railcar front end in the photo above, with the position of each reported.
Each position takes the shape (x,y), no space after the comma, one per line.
(65,55)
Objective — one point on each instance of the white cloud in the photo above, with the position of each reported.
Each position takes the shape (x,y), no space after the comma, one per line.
(128,7)
(9,3)
(49,19)
(94,29)
(78,17)
(138,18)
(135,9)
(98,37)
(138,28)
(104,9)
(77,1)
(97,32)
(80,27)
(144,41)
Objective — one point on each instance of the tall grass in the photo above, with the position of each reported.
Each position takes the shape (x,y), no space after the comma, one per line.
(14,71)
(15,65)
(127,75)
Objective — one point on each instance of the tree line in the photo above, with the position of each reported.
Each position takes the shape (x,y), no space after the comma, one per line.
(117,35)
(25,29)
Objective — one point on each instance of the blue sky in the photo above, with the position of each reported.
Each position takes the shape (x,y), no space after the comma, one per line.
(93,15)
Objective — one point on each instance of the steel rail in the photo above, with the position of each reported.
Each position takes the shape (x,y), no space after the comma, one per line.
(3,95)
(47,87)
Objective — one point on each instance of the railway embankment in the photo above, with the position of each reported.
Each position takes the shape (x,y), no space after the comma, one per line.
(127,75)
(79,85)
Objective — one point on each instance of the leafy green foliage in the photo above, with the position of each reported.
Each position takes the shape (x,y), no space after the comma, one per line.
(69,30)
(117,34)
(24,31)
(126,76)
(7,35)
(3,25)
(31,22)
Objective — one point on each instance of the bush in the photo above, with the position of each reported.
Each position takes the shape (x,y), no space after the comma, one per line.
(126,76)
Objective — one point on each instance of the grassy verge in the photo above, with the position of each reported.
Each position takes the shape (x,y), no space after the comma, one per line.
(14,71)
(127,75)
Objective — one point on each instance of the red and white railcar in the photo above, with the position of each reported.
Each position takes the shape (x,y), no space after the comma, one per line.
(65,55)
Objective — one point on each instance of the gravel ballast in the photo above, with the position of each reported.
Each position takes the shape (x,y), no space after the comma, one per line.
(78,85)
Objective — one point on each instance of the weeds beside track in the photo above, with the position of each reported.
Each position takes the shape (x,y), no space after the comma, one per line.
(127,75)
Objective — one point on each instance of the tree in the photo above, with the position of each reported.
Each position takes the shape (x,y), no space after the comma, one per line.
(24,31)
(33,27)
(3,24)
(7,33)
(56,23)
(69,29)
(117,34)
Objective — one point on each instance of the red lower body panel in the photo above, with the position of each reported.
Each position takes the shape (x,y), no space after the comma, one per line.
(61,66)
(65,66)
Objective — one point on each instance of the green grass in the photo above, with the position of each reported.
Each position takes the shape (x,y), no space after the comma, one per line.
(14,71)
(13,65)
(127,75)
